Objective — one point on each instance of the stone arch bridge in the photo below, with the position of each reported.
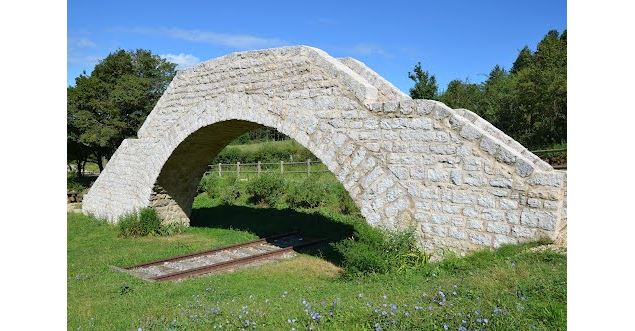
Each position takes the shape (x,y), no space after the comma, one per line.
(458,180)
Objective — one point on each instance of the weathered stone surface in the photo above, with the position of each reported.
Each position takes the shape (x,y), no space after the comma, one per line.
(465,183)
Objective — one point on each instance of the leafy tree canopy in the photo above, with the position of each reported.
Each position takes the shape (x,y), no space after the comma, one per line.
(425,84)
(529,102)
(111,103)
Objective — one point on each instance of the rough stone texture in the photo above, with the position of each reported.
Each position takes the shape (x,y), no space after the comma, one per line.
(458,180)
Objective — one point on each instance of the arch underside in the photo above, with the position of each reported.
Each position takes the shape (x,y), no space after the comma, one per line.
(178,180)
(459,181)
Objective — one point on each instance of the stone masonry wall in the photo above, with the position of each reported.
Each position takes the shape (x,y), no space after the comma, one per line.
(459,181)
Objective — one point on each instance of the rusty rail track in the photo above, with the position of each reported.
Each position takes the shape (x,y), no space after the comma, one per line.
(233,263)
(210,251)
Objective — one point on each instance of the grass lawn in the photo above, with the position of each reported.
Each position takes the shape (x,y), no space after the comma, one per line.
(508,289)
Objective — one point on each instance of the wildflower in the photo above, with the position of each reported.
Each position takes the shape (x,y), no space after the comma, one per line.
(486,321)
(360,295)
(497,311)
(445,326)
(291,321)
(315,316)
(407,314)
(418,307)
(439,298)
(378,327)
(462,328)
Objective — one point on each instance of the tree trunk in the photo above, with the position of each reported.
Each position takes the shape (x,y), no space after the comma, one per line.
(100,163)
(78,168)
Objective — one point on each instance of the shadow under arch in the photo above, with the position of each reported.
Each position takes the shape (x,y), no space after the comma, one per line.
(265,222)
(177,183)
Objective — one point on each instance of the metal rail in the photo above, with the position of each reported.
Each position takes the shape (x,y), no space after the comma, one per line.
(231,263)
(215,250)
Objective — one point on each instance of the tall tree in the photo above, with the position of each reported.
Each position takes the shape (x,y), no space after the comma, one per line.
(523,60)
(111,103)
(425,84)
(529,102)
(462,95)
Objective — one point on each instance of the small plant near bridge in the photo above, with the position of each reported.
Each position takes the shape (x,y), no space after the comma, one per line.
(145,222)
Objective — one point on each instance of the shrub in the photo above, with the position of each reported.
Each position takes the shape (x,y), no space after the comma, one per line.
(340,200)
(266,189)
(171,229)
(141,223)
(307,193)
(210,185)
(73,183)
(230,193)
(375,251)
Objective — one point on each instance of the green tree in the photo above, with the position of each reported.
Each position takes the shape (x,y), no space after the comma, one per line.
(523,60)
(462,95)
(537,110)
(111,103)
(425,84)
(529,102)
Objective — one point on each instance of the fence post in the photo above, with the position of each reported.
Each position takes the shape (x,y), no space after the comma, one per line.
(308,166)
(237,169)
(220,170)
(281,167)
(258,168)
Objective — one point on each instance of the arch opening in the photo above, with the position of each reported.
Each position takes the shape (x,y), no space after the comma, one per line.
(179,181)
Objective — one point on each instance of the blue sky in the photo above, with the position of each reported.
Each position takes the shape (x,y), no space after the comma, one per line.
(452,39)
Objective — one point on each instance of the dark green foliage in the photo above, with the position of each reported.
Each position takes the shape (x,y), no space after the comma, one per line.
(425,84)
(375,251)
(259,135)
(140,224)
(307,193)
(111,103)
(264,152)
(461,95)
(266,190)
(73,183)
(529,102)
(231,190)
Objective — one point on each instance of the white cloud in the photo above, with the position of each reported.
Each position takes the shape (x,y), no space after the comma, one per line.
(76,43)
(83,59)
(367,49)
(182,60)
(237,41)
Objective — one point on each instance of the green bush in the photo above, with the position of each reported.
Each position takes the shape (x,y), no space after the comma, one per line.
(73,183)
(307,193)
(230,191)
(339,199)
(138,224)
(266,190)
(210,184)
(375,251)
(171,229)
